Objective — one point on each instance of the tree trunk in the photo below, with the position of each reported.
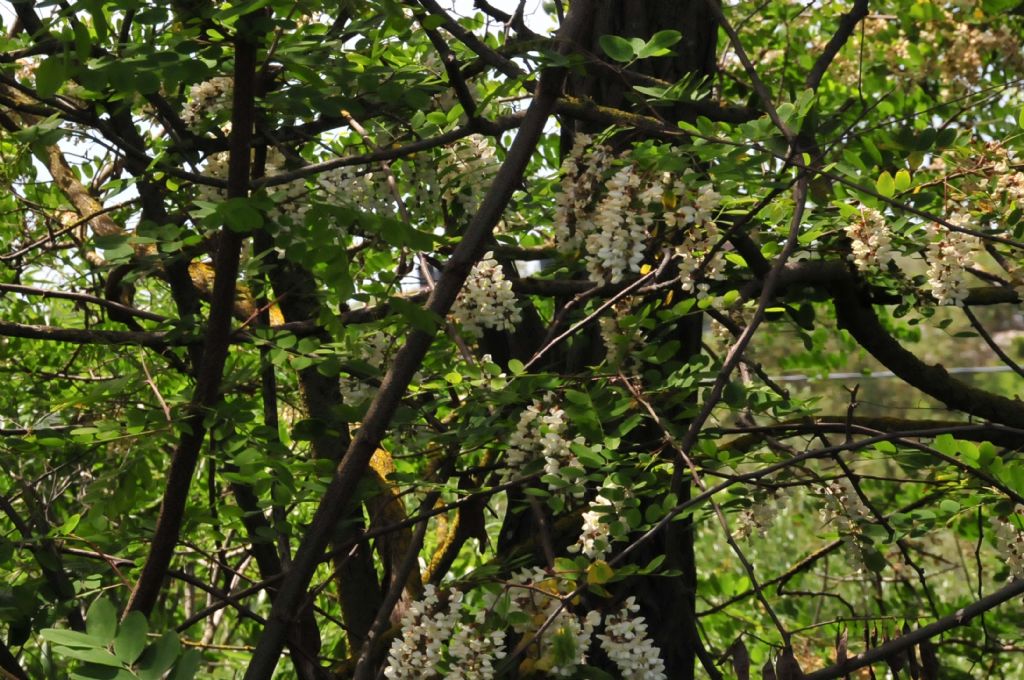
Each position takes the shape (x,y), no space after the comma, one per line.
(668,604)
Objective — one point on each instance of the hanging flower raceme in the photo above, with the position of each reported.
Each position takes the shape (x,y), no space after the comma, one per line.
(487,300)
(950,254)
(426,626)
(845,509)
(207,100)
(700,235)
(1010,542)
(562,646)
(603,522)
(611,219)
(582,171)
(626,643)
(870,240)
(474,649)
(762,513)
(464,168)
(541,434)
(616,233)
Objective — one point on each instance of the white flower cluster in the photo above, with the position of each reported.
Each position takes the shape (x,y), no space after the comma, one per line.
(208,99)
(536,593)
(373,349)
(616,233)
(466,167)
(956,51)
(846,509)
(611,221)
(291,199)
(364,190)
(595,538)
(1010,542)
(603,516)
(473,651)
(950,253)
(1010,187)
(626,643)
(426,626)
(700,237)
(487,300)
(870,240)
(540,433)
(216,166)
(761,515)
(582,171)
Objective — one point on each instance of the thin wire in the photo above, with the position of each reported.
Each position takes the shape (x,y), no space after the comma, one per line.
(874,375)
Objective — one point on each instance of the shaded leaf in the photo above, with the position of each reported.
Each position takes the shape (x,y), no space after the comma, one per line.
(101,620)
(616,47)
(131,637)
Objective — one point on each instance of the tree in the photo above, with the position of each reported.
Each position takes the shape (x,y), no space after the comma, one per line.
(413,344)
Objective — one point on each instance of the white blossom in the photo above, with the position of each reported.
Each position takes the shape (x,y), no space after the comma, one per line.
(426,627)
(616,233)
(950,253)
(582,170)
(1010,542)
(207,99)
(595,537)
(538,594)
(487,300)
(870,240)
(626,643)
(541,434)
(844,508)
(761,514)
(465,168)
(473,651)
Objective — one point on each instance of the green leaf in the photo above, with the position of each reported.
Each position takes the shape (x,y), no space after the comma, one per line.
(516,367)
(187,666)
(417,317)
(98,655)
(239,215)
(131,637)
(599,572)
(101,620)
(431,22)
(659,43)
(50,75)
(72,638)
(902,180)
(159,656)
(240,9)
(617,48)
(886,185)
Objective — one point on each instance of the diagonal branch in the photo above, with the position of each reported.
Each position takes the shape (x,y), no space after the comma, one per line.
(890,649)
(218,337)
(847,23)
(336,500)
(858,317)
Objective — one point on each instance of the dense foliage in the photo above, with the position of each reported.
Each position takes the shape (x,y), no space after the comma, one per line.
(405,343)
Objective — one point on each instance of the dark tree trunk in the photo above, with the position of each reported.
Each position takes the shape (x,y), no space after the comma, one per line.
(668,604)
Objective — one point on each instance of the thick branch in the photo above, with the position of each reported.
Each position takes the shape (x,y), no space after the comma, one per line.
(218,337)
(859,319)
(847,23)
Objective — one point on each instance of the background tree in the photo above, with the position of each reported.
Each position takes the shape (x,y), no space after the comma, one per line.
(415,344)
